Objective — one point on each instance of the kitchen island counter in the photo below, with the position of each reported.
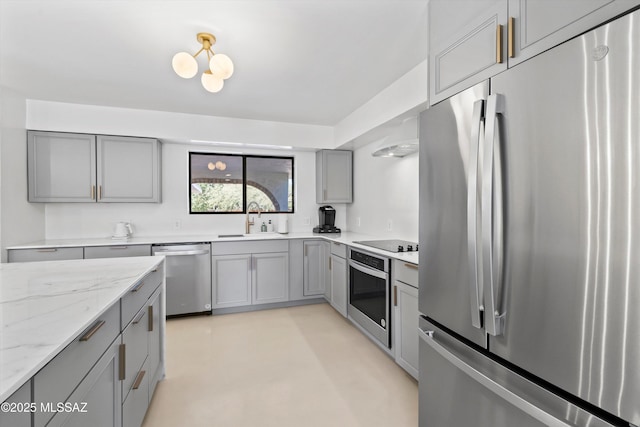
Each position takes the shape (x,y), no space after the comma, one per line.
(45,305)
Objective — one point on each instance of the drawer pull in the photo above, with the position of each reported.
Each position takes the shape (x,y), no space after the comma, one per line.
(413,266)
(91,332)
(138,381)
(138,287)
(122,353)
(337,244)
(150,319)
(139,318)
(118,247)
(47,250)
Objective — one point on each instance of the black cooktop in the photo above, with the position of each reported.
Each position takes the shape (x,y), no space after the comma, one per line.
(391,245)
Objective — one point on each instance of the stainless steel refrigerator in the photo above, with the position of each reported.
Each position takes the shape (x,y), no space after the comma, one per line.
(530,242)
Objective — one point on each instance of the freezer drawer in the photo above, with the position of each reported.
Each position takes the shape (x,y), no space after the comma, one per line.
(460,386)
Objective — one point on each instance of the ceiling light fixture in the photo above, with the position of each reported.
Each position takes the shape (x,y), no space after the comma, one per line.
(220,65)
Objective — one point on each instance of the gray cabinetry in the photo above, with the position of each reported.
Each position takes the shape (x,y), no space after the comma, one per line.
(18,415)
(68,167)
(465,44)
(315,267)
(116,251)
(128,169)
(338,271)
(405,301)
(44,254)
(473,40)
(334,176)
(246,273)
(61,167)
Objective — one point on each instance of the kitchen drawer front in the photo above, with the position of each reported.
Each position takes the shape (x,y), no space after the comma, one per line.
(406,272)
(57,380)
(136,343)
(339,249)
(116,251)
(139,294)
(249,247)
(135,406)
(44,254)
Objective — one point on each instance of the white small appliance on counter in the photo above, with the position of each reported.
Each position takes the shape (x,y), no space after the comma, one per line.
(123,231)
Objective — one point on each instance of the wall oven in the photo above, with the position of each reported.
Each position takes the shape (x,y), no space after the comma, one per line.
(369,294)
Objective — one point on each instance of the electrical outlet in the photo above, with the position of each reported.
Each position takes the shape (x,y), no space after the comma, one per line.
(389,225)
(177,224)
(307,220)
(358,221)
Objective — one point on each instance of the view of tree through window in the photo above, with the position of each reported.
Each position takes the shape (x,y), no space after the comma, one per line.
(226,183)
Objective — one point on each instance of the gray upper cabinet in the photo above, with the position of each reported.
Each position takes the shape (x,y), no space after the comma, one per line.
(334,176)
(68,167)
(465,44)
(128,169)
(473,40)
(61,167)
(540,25)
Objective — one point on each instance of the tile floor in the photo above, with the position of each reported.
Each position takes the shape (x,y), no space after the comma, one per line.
(299,366)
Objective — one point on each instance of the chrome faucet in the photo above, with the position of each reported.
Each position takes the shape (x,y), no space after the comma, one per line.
(249,223)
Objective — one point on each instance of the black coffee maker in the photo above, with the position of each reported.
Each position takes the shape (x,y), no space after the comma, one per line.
(327,219)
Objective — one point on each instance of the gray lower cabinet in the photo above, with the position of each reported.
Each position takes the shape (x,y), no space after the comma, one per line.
(339,291)
(71,167)
(405,301)
(19,413)
(334,176)
(116,251)
(315,267)
(249,273)
(44,254)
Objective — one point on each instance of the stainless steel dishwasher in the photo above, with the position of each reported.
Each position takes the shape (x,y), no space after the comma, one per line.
(188,268)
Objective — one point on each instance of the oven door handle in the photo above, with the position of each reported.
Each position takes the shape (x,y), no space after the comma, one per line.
(368,270)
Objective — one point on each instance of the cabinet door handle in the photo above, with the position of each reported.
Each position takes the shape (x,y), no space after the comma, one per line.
(122,354)
(413,266)
(100,188)
(150,324)
(138,287)
(93,192)
(395,296)
(324,195)
(510,40)
(330,263)
(138,381)
(499,44)
(337,244)
(91,332)
(139,318)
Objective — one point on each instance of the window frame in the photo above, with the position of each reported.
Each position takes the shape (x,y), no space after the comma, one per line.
(244,182)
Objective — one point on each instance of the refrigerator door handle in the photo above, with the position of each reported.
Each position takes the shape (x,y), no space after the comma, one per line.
(492,217)
(475,282)
(529,408)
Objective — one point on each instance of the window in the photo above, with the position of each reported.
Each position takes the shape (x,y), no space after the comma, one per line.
(230,183)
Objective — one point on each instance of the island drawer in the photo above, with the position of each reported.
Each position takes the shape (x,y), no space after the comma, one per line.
(135,405)
(249,247)
(406,272)
(139,294)
(57,380)
(136,347)
(44,254)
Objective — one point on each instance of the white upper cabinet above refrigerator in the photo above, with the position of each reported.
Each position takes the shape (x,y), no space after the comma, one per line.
(470,41)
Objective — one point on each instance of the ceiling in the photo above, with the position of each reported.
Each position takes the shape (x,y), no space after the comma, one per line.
(299,61)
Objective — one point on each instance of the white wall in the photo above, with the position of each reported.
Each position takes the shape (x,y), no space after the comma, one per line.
(385,189)
(71,220)
(20,221)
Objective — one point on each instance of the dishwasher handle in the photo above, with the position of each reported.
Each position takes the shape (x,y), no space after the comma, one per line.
(181,253)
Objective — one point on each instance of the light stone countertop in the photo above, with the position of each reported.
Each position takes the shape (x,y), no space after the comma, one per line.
(45,305)
(345,237)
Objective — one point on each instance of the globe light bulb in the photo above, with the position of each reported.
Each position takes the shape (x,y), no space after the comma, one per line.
(211,83)
(184,65)
(211,166)
(221,66)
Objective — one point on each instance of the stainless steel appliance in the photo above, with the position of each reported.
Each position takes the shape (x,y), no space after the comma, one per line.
(188,269)
(391,245)
(530,241)
(369,294)
(327,220)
